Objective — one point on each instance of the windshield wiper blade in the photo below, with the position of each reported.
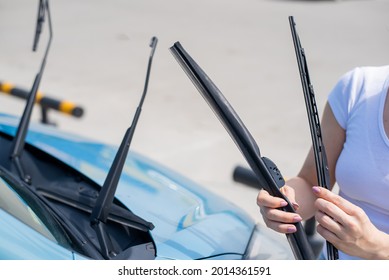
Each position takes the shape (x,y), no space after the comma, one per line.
(106,196)
(19,140)
(268,175)
(322,172)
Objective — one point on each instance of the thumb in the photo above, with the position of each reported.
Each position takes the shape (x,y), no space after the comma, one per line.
(290,194)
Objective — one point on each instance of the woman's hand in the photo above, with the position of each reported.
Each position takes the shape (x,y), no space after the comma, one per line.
(347,227)
(275,218)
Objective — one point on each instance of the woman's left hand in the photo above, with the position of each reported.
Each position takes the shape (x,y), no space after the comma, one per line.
(347,227)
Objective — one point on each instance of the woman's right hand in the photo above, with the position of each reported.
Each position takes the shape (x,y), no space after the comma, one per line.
(274,217)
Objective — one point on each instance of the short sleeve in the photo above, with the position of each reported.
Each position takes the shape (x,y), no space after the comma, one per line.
(343,96)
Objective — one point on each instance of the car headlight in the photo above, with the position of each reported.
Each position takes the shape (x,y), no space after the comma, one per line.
(266,244)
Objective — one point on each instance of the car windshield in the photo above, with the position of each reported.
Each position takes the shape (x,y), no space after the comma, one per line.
(13,204)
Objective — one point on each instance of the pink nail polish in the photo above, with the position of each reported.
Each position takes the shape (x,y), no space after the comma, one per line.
(291,229)
(297,219)
(316,189)
(296,205)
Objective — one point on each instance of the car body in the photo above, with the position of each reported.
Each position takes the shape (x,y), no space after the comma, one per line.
(175,218)
(63,196)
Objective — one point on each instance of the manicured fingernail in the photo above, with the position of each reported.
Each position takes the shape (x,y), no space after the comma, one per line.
(316,189)
(297,219)
(291,229)
(296,205)
(283,203)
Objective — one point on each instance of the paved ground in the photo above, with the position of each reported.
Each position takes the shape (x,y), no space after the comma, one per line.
(99,56)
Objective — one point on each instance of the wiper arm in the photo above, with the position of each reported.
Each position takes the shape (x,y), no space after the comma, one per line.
(19,140)
(106,196)
(39,23)
(267,173)
(322,172)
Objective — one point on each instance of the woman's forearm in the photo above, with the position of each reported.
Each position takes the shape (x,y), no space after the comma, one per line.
(304,196)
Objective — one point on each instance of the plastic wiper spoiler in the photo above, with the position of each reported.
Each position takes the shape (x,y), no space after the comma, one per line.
(322,172)
(266,171)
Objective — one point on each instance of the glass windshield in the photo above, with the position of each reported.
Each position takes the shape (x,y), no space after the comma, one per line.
(13,204)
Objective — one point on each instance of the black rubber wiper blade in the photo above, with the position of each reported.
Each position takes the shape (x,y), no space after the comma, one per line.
(267,173)
(106,196)
(322,171)
(19,140)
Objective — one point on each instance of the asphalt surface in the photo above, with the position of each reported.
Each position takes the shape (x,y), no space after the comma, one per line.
(100,51)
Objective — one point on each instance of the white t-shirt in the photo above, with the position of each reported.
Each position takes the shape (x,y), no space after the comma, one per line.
(362,170)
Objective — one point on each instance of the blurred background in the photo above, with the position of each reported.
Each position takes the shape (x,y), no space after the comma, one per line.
(99,56)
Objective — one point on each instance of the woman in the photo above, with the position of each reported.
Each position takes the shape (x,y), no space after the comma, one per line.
(355,128)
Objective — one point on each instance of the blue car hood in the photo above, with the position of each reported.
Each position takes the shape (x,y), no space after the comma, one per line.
(190,222)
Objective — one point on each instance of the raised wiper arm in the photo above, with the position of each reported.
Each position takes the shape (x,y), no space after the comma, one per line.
(322,172)
(107,193)
(39,24)
(19,140)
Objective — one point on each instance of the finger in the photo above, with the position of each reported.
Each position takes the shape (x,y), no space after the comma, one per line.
(331,210)
(281,227)
(343,204)
(328,223)
(328,235)
(290,194)
(279,220)
(267,200)
(281,216)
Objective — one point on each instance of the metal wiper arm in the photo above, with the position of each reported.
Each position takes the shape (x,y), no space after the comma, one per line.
(322,172)
(19,140)
(39,23)
(106,196)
